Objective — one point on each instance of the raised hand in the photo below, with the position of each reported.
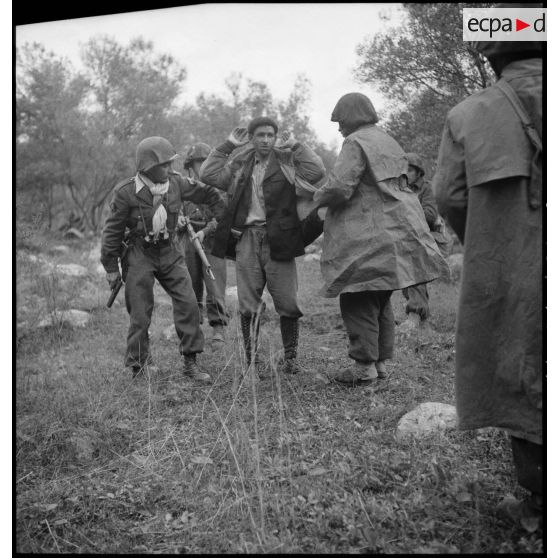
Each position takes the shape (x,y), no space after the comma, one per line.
(239,136)
(286,139)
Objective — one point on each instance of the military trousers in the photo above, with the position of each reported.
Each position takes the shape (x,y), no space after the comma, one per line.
(215,289)
(166,264)
(417,300)
(255,269)
(370,324)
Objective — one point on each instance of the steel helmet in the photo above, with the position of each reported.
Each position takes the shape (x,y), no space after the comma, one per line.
(198,152)
(154,151)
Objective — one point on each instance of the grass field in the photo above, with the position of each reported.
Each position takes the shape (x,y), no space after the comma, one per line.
(105,464)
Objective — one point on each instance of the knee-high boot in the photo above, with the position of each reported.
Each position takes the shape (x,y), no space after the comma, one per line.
(289,334)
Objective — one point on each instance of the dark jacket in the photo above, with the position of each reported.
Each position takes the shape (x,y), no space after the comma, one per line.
(482,185)
(134,211)
(284,230)
(426,197)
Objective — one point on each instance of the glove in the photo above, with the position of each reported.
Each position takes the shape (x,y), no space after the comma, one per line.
(113,277)
(239,136)
(287,140)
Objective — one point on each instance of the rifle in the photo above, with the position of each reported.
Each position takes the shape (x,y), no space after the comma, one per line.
(199,248)
(116,289)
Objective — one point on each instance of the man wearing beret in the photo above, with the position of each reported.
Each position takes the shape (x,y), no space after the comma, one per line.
(261,228)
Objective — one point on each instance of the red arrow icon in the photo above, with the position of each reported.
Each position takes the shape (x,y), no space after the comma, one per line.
(519,25)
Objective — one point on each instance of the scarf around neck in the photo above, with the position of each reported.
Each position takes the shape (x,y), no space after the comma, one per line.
(158,190)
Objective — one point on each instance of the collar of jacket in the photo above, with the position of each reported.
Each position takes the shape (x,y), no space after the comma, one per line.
(144,182)
(527,67)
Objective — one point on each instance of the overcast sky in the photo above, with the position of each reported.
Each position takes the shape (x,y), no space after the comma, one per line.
(265,42)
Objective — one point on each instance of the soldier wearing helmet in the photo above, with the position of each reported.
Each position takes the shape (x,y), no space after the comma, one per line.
(376,240)
(147,205)
(202,220)
(417,309)
(488,185)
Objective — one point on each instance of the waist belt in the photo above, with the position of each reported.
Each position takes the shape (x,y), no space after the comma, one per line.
(153,244)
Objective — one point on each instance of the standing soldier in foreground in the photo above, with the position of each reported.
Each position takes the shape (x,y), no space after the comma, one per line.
(417,296)
(489,185)
(375,237)
(147,205)
(261,228)
(204,224)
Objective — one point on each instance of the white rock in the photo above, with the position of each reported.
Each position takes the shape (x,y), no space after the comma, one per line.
(100,269)
(74,318)
(34,258)
(426,419)
(312,257)
(72,270)
(62,249)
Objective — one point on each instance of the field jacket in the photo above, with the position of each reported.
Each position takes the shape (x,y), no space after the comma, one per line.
(134,211)
(375,234)
(289,177)
(482,186)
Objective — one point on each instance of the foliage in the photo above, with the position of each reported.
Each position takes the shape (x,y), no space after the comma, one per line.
(424,67)
(213,117)
(76,132)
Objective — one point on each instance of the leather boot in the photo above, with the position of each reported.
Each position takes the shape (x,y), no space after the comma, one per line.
(289,334)
(381,369)
(247,323)
(193,371)
(358,374)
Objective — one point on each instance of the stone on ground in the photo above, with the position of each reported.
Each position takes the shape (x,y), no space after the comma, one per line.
(426,419)
(73,318)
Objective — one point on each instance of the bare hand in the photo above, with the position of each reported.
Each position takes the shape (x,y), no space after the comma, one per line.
(286,139)
(200,235)
(239,136)
(113,277)
(322,213)
(181,223)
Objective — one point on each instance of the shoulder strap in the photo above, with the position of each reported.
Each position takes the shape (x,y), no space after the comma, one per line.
(515,102)
(535,183)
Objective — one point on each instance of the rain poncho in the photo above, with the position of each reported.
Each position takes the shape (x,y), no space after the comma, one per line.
(375,234)
(482,185)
